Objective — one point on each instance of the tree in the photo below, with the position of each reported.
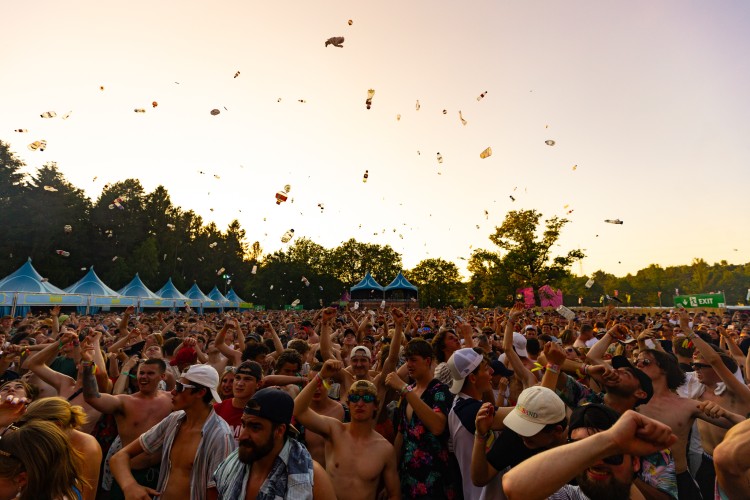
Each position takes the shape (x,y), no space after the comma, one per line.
(525,258)
(439,282)
(351,260)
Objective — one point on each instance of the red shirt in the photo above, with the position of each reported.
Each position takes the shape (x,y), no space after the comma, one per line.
(232,415)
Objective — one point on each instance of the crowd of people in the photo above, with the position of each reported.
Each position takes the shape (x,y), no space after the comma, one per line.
(401,403)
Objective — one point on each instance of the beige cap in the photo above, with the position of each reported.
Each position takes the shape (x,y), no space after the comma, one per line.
(537,406)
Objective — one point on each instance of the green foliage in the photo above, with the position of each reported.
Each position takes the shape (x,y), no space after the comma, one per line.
(438,281)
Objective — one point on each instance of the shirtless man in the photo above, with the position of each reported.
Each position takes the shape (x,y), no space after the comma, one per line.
(134,414)
(194,440)
(731,399)
(66,387)
(678,413)
(322,405)
(354,475)
(361,358)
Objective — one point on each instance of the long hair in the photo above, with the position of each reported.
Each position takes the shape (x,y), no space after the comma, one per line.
(44,452)
(56,410)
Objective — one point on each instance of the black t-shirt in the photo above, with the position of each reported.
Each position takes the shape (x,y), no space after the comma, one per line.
(509,451)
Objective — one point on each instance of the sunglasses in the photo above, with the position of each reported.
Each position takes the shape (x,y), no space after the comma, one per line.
(644,362)
(356,398)
(611,460)
(698,366)
(179,387)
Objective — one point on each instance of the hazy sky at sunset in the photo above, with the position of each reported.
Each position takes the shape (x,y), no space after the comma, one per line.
(648,99)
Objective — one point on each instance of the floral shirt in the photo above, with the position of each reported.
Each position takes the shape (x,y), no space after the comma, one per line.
(424,465)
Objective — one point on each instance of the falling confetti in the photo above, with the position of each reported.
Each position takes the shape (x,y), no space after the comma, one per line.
(67,115)
(254,270)
(336,41)
(21,130)
(63,253)
(549,142)
(398,118)
(370,95)
(213,245)
(68,228)
(486,215)
(445,111)
(114,258)
(48,114)
(364,177)
(287,188)
(418,106)
(218,273)
(170,227)
(613,221)
(154,104)
(486,153)
(350,22)
(237,74)
(481,96)
(439,158)
(512,199)
(575,167)
(295,302)
(302,101)
(139,110)
(215,112)
(101,87)
(463,122)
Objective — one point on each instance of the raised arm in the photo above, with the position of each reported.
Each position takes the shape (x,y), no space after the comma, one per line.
(38,362)
(316,422)
(277,345)
(481,470)
(632,434)
(105,403)
(739,389)
(55,314)
(732,461)
(525,376)
(433,420)
(326,351)
(390,362)
(234,357)
(123,326)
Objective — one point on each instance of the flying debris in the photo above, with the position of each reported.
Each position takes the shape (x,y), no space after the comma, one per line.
(215,112)
(575,167)
(302,101)
(237,74)
(481,96)
(549,142)
(68,228)
(63,253)
(364,177)
(67,115)
(154,104)
(305,281)
(336,41)
(114,258)
(170,227)
(589,283)
(486,153)
(48,114)
(287,236)
(511,198)
(486,215)
(218,273)
(463,122)
(21,130)
(139,110)
(613,221)
(38,145)
(398,117)
(445,111)
(439,158)
(254,270)
(280,197)
(370,95)
(213,245)
(350,22)
(418,106)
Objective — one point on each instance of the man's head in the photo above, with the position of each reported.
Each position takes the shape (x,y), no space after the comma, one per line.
(539,418)
(363,400)
(418,353)
(469,371)
(530,332)
(519,345)
(706,373)
(350,338)
(289,363)
(610,477)
(265,421)
(632,382)
(246,379)
(150,373)
(199,382)
(657,364)
(499,370)
(445,342)
(360,360)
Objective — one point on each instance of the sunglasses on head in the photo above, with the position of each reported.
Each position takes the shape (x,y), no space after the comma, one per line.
(356,398)
(698,366)
(179,387)
(644,362)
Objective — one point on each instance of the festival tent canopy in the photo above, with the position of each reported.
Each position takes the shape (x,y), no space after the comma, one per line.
(27,279)
(169,291)
(400,289)
(196,294)
(216,295)
(136,288)
(367,289)
(90,284)
(232,295)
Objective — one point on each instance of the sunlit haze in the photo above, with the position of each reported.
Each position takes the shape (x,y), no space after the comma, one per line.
(647,100)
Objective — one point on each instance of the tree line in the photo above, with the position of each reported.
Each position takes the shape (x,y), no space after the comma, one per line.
(128,230)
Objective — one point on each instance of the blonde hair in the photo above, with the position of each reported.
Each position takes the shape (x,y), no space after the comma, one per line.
(44,452)
(55,410)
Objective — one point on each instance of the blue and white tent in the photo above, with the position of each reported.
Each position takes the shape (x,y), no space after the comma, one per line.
(25,287)
(99,294)
(197,294)
(367,289)
(400,289)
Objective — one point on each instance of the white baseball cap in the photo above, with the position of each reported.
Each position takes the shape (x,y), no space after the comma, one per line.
(357,351)
(519,343)
(205,375)
(461,363)
(537,406)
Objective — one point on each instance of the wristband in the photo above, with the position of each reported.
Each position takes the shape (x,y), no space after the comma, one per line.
(125,372)
(407,388)
(585,368)
(86,363)
(553,368)
(482,437)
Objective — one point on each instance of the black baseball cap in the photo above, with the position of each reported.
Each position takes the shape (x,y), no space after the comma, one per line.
(645,380)
(271,403)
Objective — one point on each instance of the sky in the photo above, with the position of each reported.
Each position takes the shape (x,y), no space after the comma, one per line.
(647,100)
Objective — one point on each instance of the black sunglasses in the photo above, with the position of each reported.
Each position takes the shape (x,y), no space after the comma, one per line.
(179,387)
(356,398)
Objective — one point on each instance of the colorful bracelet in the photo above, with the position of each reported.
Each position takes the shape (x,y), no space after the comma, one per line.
(407,388)
(553,368)
(482,437)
